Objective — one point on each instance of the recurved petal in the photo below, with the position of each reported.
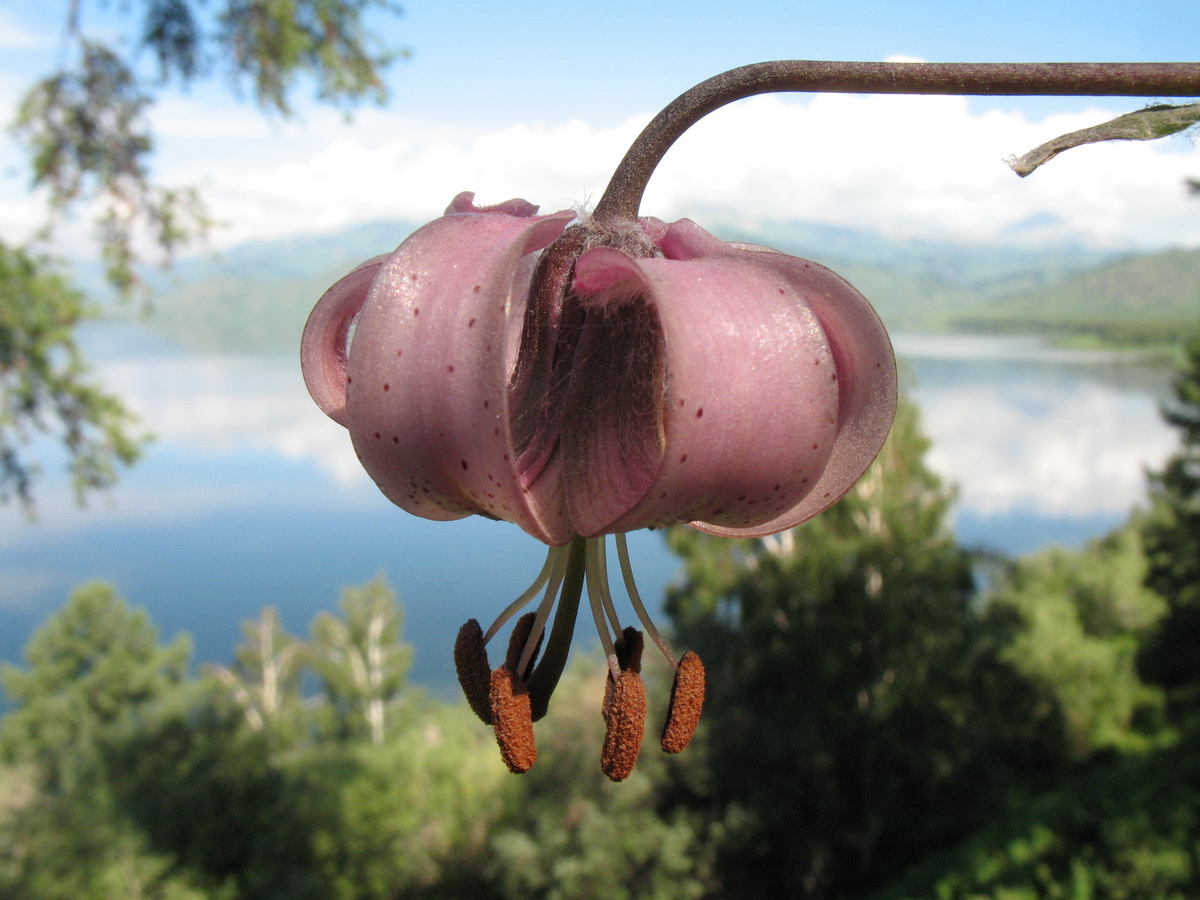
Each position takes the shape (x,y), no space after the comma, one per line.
(738,417)
(864,367)
(430,361)
(326,336)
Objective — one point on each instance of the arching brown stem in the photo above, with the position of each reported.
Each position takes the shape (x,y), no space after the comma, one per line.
(623,195)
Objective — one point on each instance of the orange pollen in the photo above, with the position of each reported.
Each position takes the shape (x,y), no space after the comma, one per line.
(512,720)
(687,700)
(626,722)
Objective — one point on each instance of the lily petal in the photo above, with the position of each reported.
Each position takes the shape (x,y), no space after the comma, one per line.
(429,362)
(747,416)
(863,363)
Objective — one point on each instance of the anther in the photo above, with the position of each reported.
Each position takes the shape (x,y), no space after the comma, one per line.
(624,709)
(626,724)
(512,720)
(687,700)
(516,644)
(629,657)
(474,673)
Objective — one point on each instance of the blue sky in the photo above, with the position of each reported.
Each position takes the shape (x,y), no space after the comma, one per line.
(540,100)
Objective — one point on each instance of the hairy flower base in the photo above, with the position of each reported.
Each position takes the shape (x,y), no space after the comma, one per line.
(516,694)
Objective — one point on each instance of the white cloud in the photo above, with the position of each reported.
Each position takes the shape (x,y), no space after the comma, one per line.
(906,165)
(1073,449)
(927,166)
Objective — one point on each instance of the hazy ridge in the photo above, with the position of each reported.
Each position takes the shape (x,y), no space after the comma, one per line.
(256,297)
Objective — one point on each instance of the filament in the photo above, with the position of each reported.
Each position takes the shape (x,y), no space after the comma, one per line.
(636,600)
(542,577)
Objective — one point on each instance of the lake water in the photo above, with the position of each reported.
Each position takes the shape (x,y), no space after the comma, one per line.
(250,497)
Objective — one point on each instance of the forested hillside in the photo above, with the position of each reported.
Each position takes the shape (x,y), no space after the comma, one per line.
(875,726)
(256,297)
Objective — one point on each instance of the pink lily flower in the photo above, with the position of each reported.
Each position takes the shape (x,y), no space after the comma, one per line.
(645,376)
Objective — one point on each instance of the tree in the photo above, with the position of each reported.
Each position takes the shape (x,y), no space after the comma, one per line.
(89,667)
(360,659)
(87,133)
(1083,616)
(1172,542)
(44,383)
(859,715)
(265,679)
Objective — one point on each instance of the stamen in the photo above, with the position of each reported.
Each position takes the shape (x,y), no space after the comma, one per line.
(595,576)
(605,593)
(474,673)
(512,720)
(629,655)
(687,700)
(552,558)
(521,644)
(636,599)
(626,724)
(557,573)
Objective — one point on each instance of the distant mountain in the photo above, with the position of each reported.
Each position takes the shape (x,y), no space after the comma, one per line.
(1148,298)
(256,297)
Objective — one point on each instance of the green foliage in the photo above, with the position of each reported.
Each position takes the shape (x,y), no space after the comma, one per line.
(265,679)
(45,386)
(1083,616)
(1125,831)
(1172,541)
(86,130)
(859,714)
(88,139)
(89,668)
(576,834)
(360,660)
(66,849)
(1142,299)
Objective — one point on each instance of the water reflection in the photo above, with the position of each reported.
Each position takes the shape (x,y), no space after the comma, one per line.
(250,496)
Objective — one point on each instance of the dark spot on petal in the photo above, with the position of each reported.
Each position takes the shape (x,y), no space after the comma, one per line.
(833,377)
(412,276)
(471,324)
(395,440)
(487,404)
(825,496)
(782,291)
(700,412)
(476,290)
(349,380)
(683,458)
(662,496)
(816,362)
(387,387)
(399,352)
(496,431)
(741,498)
(816,446)
(777,487)
(378,436)
(416,310)
(449,368)
(463,463)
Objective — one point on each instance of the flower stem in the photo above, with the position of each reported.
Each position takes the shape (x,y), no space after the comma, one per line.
(623,195)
